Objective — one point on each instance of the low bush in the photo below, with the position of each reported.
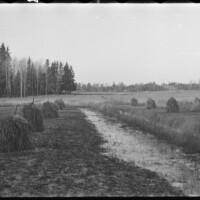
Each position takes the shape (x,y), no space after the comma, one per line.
(150,104)
(15,134)
(49,110)
(34,116)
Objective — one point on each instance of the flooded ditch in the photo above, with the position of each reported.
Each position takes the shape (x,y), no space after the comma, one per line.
(144,150)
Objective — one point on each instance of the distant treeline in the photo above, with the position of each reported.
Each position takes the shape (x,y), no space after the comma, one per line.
(25,77)
(121,87)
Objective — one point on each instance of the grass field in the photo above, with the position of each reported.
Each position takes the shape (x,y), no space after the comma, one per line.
(68,161)
(79,99)
(182,128)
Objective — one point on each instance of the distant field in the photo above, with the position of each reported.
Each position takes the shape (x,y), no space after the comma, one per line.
(80,99)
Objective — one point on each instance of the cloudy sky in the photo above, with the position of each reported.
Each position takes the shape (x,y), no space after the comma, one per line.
(132,43)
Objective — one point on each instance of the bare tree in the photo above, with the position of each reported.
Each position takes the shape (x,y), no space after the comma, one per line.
(22,68)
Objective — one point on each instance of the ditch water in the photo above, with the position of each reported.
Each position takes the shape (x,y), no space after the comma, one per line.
(180,169)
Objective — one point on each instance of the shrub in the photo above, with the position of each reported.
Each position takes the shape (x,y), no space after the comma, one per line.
(172,105)
(60,103)
(151,104)
(14,134)
(34,116)
(49,110)
(134,102)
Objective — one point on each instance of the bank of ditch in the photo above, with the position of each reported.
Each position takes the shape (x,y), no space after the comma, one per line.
(181,129)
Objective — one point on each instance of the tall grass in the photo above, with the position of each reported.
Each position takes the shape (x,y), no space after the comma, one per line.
(178,129)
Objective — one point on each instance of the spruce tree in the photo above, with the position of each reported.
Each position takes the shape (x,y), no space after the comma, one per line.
(68,82)
(52,78)
(2,71)
(24,78)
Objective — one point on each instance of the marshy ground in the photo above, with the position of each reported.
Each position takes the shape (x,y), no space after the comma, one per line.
(68,160)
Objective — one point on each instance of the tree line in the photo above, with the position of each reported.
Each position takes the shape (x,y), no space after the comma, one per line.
(24,77)
(118,87)
(121,87)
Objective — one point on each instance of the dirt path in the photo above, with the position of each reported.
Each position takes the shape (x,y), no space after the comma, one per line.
(68,161)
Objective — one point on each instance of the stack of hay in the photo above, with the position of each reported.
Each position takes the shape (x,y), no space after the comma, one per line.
(151,104)
(172,105)
(34,116)
(60,103)
(134,102)
(15,134)
(49,110)
(196,105)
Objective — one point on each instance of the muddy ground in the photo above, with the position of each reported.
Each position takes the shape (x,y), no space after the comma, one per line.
(68,161)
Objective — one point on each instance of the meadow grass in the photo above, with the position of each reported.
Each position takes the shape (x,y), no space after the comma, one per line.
(179,128)
(182,128)
(81,99)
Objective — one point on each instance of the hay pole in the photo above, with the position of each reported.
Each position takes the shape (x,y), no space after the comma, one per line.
(15,112)
(33,101)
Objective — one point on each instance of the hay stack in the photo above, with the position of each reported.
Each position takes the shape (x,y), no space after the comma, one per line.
(172,105)
(60,103)
(151,104)
(49,110)
(197,100)
(134,102)
(14,134)
(196,105)
(34,116)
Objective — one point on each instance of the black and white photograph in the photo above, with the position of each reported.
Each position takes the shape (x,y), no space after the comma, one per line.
(99,100)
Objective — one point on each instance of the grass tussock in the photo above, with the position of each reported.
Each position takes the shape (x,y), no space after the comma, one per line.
(60,103)
(180,129)
(34,116)
(49,110)
(14,134)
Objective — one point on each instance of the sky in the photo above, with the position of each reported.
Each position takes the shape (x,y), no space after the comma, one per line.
(106,43)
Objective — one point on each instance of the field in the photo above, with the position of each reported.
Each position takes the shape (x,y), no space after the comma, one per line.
(180,128)
(79,99)
(68,161)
